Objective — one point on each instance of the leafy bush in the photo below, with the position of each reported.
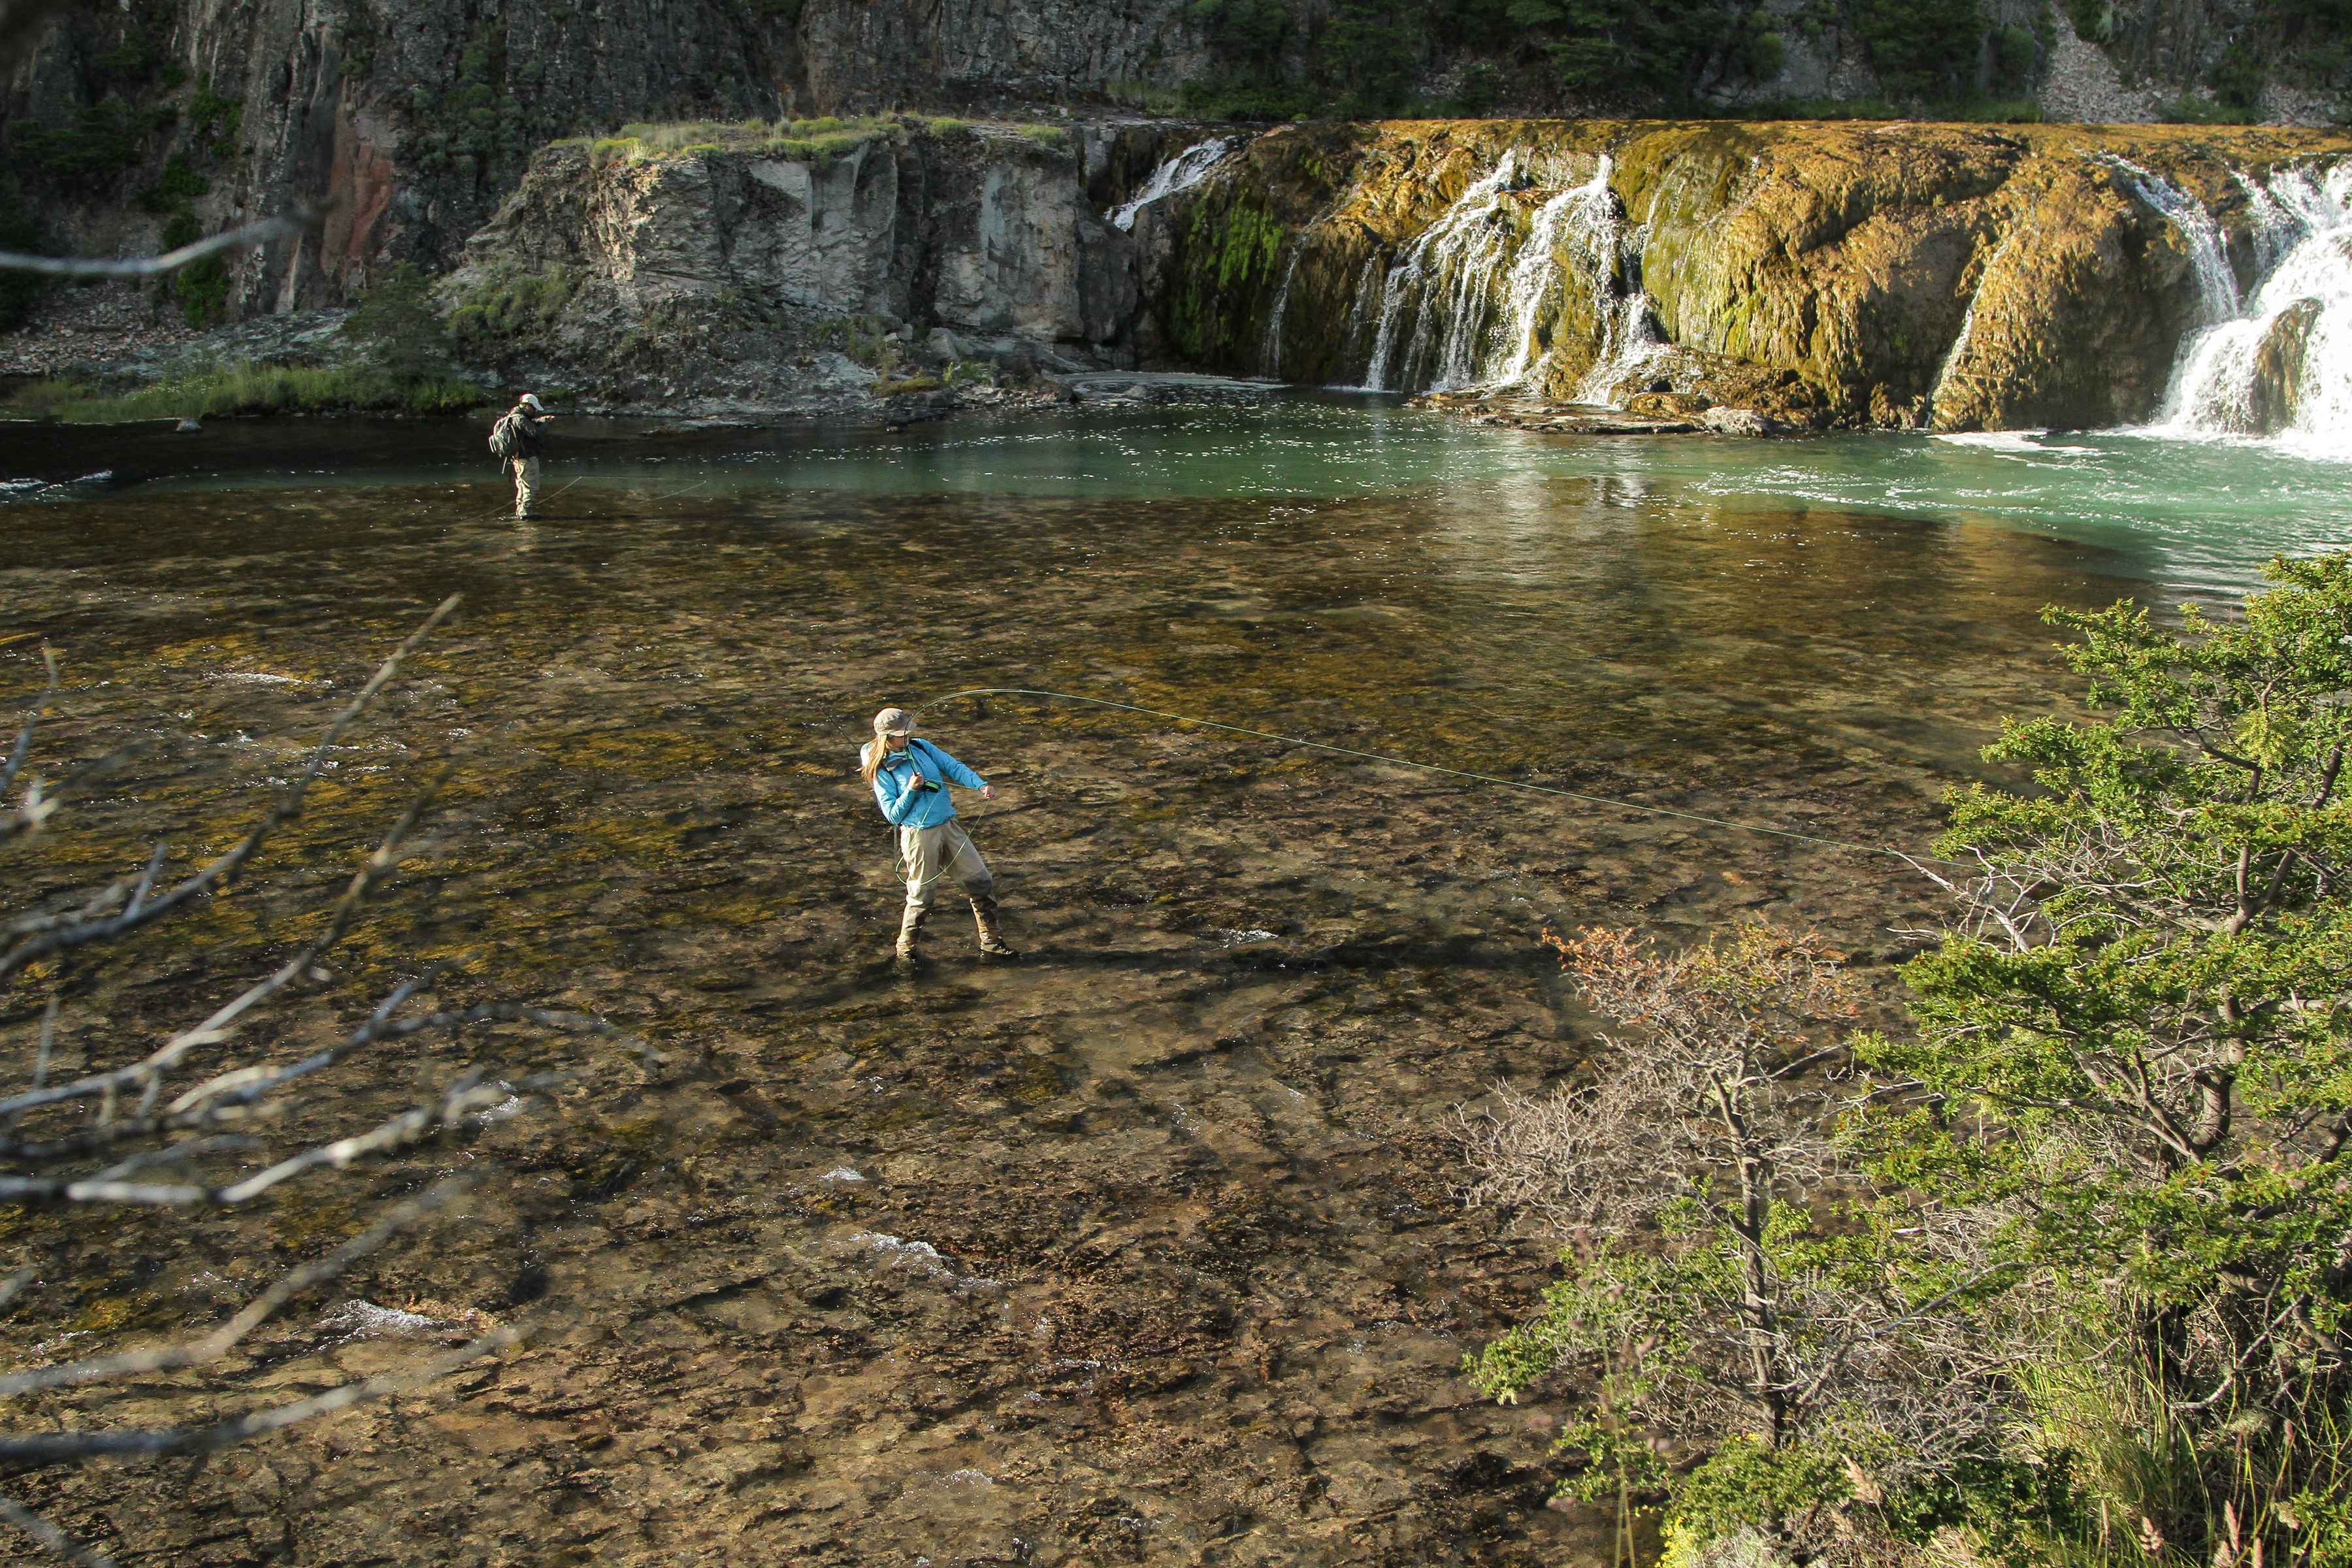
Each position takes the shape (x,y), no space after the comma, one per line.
(509,307)
(19,231)
(2102,1312)
(2015,51)
(398,329)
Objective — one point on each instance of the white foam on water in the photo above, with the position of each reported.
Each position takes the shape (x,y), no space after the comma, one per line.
(2303,225)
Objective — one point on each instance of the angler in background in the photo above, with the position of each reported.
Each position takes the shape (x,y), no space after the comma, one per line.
(515,440)
(911,779)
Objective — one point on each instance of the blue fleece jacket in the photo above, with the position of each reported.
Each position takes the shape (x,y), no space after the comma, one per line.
(905,801)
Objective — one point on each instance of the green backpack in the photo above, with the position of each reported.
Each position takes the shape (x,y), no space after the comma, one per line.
(506,439)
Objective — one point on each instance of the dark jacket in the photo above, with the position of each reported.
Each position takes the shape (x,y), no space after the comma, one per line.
(529,435)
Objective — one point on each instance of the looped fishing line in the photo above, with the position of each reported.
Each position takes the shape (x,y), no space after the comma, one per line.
(1435,768)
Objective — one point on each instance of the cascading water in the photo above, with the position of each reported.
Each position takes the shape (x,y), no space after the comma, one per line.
(2280,364)
(1443,287)
(2217,286)
(1958,351)
(1468,303)
(1585,219)
(1182,173)
(1630,350)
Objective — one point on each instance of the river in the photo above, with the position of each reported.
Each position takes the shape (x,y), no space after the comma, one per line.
(1143,1248)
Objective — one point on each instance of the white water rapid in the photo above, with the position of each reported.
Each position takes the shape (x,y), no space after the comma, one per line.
(2278,364)
(1182,173)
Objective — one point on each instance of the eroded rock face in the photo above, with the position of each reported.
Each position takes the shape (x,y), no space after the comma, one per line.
(2279,366)
(1904,275)
(861,57)
(984,245)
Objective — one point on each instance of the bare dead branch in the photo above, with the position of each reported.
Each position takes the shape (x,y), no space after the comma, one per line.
(217,1028)
(57,1447)
(286,225)
(213,1346)
(51,1536)
(223,871)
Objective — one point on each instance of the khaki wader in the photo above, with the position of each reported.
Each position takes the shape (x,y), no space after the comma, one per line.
(526,476)
(928,854)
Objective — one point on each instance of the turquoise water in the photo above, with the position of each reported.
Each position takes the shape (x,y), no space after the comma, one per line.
(2197,518)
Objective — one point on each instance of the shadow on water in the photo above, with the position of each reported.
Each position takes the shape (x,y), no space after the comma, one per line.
(1184,1169)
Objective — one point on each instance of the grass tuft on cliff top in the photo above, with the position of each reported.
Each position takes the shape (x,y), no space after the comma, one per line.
(800,140)
(216,391)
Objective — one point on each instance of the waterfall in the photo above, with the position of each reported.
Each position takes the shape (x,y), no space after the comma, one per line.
(1467,303)
(2280,363)
(1585,218)
(1182,173)
(1967,327)
(1631,349)
(2217,286)
(1270,349)
(1452,264)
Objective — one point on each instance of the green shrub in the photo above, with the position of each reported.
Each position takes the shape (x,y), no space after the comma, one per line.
(1767,53)
(2014,54)
(511,307)
(2094,20)
(19,231)
(177,186)
(215,120)
(1922,48)
(398,328)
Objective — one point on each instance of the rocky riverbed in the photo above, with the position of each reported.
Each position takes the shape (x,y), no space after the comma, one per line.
(1145,1249)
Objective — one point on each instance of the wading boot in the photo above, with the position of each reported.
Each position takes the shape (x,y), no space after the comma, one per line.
(908,958)
(992,935)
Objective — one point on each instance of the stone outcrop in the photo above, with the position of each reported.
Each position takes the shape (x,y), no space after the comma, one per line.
(720,273)
(2279,368)
(1908,276)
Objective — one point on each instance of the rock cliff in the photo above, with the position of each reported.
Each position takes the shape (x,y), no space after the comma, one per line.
(414,121)
(1956,277)
(718,272)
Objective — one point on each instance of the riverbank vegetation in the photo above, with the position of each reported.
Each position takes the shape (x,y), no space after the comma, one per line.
(395,357)
(209,391)
(2060,1273)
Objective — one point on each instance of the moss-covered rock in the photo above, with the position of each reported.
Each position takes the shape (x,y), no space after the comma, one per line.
(1960,275)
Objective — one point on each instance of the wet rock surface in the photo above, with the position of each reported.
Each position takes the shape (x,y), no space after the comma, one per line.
(1952,276)
(1143,1249)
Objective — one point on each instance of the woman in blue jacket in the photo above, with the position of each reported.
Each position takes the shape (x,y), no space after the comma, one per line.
(909,779)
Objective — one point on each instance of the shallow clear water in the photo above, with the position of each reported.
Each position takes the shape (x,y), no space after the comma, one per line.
(1184,1168)
(2198,517)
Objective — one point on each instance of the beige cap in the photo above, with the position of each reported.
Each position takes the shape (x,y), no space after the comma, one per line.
(894,721)
(530,400)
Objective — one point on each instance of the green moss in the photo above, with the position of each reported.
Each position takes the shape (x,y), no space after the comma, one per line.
(800,140)
(1229,254)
